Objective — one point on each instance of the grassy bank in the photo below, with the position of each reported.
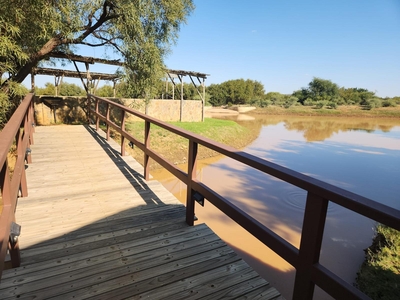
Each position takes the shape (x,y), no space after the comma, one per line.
(341,111)
(379,276)
(175,148)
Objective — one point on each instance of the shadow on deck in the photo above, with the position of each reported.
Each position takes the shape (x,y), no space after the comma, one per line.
(92,227)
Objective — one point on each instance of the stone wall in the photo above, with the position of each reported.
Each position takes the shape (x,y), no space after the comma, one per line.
(169,110)
(71,110)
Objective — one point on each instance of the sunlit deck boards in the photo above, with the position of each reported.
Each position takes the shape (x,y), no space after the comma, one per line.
(93,228)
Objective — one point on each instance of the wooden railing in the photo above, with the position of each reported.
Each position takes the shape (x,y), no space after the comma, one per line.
(305,259)
(309,272)
(18,133)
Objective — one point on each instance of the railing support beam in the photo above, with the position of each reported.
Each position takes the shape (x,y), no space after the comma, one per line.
(123,129)
(97,115)
(192,162)
(310,245)
(108,120)
(147,145)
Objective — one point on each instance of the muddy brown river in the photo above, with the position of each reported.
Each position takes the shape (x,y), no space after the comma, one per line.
(358,154)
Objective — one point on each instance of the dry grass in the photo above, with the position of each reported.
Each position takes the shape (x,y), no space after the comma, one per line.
(174,148)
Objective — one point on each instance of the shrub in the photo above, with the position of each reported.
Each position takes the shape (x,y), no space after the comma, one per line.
(264,103)
(389,103)
(379,274)
(320,104)
(332,105)
(372,103)
(289,101)
(308,102)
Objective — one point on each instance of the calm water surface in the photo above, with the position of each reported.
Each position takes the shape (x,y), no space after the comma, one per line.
(360,155)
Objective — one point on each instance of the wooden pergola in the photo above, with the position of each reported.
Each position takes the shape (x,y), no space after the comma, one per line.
(93,78)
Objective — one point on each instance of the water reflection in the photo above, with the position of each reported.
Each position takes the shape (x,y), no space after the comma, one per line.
(361,155)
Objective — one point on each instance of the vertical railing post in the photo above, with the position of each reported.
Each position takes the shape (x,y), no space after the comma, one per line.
(89,102)
(310,245)
(9,213)
(146,145)
(97,115)
(192,162)
(108,120)
(123,130)
(27,129)
(13,249)
(31,113)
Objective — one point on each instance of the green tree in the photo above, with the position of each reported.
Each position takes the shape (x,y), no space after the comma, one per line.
(304,96)
(353,96)
(322,89)
(275,98)
(48,90)
(140,31)
(105,91)
(71,89)
(218,94)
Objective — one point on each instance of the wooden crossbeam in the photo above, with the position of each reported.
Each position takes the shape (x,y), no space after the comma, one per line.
(73,74)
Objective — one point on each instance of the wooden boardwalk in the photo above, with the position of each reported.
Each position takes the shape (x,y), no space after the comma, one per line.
(92,227)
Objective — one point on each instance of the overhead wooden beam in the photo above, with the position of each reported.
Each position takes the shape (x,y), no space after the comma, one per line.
(117,62)
(86,59)
(187,73)
(73,74)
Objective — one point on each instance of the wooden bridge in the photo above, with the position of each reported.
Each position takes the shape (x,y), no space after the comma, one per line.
(94,227)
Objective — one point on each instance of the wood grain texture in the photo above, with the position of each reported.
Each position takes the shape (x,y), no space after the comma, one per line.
(92,227)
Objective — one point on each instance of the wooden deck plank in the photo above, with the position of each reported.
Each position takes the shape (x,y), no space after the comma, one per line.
(110,267)
(203,284)
(92,227)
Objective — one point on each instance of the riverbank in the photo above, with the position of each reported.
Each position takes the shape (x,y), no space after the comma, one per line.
(379,275)
(175,148)
(340,111)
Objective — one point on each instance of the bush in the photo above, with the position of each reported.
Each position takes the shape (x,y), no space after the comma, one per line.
(372,103)
(320,104)
(389,103)
(289,101)
(264,103)
(380,273)
(308,102)
(332,105)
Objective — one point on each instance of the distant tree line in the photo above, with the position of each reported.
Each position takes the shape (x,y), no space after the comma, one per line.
(319,93)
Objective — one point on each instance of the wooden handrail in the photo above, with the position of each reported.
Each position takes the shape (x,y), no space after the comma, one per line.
(19,131)
(305,259)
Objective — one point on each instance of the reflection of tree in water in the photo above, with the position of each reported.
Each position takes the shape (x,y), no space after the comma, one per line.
(318,129)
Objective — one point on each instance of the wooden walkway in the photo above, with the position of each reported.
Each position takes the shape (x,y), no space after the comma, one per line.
(93,228)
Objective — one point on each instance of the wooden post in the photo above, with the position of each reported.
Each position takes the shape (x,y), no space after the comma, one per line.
(204,100)
(123,130)
(89,102)
(97,117)
(108,119)
(32,82)
(146,145)
(310,245)
(192,162)
(181,111)
(13,249)
(88,81)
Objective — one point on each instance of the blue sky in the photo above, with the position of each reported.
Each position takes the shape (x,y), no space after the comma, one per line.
(285,43)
